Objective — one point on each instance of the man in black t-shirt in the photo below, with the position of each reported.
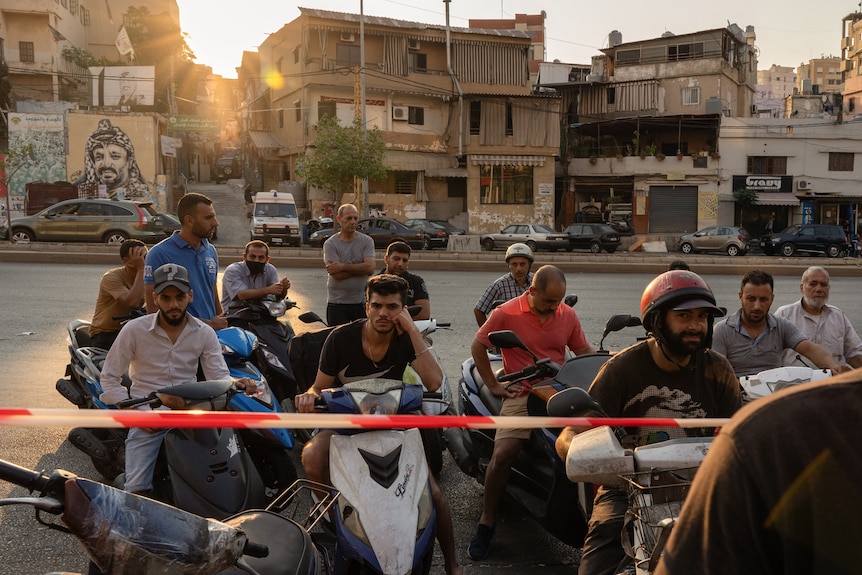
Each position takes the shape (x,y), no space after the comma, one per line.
(379,346)
(397,259)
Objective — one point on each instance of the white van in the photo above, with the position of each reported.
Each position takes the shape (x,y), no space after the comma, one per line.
(274,219)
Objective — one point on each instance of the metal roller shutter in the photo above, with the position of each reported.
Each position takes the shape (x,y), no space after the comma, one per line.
(672,209)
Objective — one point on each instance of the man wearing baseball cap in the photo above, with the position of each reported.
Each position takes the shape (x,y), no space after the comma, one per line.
(160,350)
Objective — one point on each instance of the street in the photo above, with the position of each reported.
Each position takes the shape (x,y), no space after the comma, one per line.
(40,299)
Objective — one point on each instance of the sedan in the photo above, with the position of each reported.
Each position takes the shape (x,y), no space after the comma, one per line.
(384,231)
(594,237)
(536,236)
(734,241)
(90,220)
(438,236)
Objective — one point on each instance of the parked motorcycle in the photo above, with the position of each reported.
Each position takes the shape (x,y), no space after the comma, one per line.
(123,533)
(384,518)
(537,482)
(656,476)
(261,317)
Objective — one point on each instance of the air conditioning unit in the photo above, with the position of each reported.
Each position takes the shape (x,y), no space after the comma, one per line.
(803,184)
(347,37)
(400,112)
(412,44)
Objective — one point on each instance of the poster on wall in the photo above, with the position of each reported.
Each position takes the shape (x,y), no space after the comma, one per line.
(42,136)
(124,88)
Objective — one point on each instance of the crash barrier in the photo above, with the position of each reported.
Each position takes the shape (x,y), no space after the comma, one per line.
(91,418)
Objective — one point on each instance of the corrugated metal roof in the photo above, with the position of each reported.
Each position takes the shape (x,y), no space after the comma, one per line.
(407,25)
(263,140)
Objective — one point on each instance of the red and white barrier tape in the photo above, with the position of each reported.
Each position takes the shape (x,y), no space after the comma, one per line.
(166,418)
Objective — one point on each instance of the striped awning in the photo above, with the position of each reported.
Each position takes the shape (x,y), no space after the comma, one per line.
(418,161)
(263,140)
(776,199)
(494,160)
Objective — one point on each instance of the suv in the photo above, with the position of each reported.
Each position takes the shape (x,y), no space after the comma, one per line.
(730,239)
(595,237)
(90,220)
(814,238)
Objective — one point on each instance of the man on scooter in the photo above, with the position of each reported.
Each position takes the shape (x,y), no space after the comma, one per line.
(379,346)
(672,374)
(162,349)
(546,327)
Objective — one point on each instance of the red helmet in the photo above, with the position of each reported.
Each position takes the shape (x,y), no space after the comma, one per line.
(676,289)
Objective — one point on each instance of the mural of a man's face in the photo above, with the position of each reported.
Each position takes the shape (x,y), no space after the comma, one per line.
(111,163)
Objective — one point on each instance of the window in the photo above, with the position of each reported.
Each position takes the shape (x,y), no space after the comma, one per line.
(27,52)
(416,116)
(326,109)
(347,54)
(418,62)
(770,165)
(475,117)
(691,96)
(405,182)
(297,111)
(506,184)
(841,161)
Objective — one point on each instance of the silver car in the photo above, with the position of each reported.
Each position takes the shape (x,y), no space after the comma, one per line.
(732,240)
(536,236)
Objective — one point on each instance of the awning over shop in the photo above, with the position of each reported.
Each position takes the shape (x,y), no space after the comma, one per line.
(447,173)
(418,161)
(263,140)
(776,199)
(494,160)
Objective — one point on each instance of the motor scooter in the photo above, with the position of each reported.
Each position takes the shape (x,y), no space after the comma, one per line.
(126,534)
(656,477)
(384,518)
(260,317)
(537,481)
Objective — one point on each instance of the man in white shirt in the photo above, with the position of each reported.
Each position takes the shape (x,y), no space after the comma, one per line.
(824,324)
(160,350)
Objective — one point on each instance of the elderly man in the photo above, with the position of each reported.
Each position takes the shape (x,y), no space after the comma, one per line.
(820,322)
(110,161)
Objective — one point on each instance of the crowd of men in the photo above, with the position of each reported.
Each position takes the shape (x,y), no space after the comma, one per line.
(689,366)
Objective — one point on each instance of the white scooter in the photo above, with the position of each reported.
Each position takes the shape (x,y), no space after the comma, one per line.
(656,476)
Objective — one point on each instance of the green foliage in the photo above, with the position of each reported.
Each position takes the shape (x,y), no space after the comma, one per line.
(340,155)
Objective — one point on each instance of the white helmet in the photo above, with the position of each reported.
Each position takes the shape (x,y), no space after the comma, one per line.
(519,250)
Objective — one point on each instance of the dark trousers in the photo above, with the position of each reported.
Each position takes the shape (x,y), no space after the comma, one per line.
(339,313)
(603,550)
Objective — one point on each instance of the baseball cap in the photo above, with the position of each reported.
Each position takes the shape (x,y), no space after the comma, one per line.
(171,275)
(698,302)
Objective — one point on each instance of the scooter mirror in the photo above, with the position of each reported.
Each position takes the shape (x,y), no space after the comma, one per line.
(572,402)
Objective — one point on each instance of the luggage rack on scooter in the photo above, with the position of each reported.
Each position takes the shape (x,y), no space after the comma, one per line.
(655,499)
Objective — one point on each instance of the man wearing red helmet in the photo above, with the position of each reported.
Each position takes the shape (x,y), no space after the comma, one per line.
(672,374)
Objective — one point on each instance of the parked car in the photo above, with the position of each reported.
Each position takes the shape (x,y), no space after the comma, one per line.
(453,230)
(594,237)
(384,231)
(809,238)
(438,236)
(733,240)
(537,236)
(317,238)
(90,220)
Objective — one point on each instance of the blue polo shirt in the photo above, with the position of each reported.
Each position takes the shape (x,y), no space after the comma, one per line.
(201,263)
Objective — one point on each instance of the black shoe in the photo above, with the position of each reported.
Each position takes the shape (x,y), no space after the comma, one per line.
(480,542)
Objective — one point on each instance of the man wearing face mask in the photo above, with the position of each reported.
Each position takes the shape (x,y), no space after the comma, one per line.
(253,278)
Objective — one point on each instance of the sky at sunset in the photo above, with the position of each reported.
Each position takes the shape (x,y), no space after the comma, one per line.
(220,30)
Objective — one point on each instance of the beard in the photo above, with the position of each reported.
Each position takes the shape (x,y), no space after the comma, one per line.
(678,346)
(174,321)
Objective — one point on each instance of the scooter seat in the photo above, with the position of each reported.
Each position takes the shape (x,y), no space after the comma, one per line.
(290,546)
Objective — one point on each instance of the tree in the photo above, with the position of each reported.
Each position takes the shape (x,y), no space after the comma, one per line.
(341,155)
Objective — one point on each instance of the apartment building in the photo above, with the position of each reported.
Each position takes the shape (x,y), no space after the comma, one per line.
(642,129)
(466,139)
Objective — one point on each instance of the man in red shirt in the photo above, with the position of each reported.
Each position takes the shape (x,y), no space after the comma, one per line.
(548,329)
